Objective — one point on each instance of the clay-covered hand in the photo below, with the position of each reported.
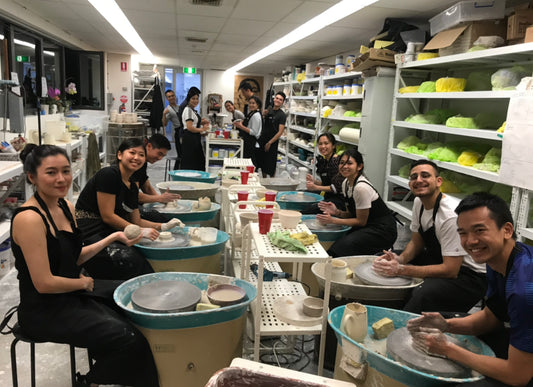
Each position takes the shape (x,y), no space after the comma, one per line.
(325,218)
(328,208)
(150,233)
(427,320)
(387,268)
(122,237)
(167,196)
(431,341)
(87,283)
(174,222)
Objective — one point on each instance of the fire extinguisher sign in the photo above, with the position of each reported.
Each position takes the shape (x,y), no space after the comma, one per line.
(123,99)
(123,66)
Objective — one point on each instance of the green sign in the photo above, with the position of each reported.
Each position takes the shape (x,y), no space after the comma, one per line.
(189,70)
(23,58)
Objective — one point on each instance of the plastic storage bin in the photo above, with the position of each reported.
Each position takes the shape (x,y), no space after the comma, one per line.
(466,11)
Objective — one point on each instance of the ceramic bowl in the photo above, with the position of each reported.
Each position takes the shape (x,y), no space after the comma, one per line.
(313,306)
(247,217)
(225,294)
(289,218)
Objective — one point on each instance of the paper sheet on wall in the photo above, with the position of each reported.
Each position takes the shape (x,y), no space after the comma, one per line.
(517,155)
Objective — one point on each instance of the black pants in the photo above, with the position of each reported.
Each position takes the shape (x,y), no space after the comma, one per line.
(448,294)
(179,150)
(121,353)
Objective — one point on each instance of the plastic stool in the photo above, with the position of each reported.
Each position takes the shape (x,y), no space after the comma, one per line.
(168,165)
(20,336)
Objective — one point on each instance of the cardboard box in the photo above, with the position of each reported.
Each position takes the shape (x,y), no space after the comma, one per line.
(529,35)
(460,39)
(374,57)
(518,23)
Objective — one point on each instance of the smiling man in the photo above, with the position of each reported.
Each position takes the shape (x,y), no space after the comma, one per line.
(453,282)
(485,226)
(273,127)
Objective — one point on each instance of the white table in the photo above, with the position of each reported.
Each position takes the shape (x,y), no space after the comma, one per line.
(265,297)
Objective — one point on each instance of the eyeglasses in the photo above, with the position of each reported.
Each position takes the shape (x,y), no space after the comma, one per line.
(423,176)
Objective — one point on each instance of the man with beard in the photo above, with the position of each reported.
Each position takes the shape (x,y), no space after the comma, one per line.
(485,227)
(453,282)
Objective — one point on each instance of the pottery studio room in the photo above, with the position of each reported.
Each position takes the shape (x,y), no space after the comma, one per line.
(266,193)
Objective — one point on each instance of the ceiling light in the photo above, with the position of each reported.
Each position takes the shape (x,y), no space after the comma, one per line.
(331,15)
(114,15)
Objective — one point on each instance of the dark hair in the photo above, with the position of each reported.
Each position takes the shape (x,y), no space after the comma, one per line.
(330,137)
(169,91)
(257,101)
(230,102)
(282,94)
(128,144)
(159,141)
(245,86)
(425,162)
(192,92)
(498,209)
(32,156)
(358,157)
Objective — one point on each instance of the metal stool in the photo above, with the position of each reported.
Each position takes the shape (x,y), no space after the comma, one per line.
(168,166)
(20,336)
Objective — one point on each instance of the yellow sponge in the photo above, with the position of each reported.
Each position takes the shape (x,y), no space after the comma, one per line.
(349,273)
(382,328)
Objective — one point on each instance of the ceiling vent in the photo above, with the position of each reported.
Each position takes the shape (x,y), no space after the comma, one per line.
(215,3)
(195,40)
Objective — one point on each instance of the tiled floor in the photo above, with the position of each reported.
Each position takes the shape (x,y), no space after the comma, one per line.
(52,360)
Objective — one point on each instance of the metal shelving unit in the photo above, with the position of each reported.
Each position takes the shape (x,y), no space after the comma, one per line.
(467,103)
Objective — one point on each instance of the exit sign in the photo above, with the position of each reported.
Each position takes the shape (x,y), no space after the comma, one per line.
(23,58)
(189,70)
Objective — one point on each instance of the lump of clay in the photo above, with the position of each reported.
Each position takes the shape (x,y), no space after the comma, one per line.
(171,205)
(382,328)
(132,231)
(203,204)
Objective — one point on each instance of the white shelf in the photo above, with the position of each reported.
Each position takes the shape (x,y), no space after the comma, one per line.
(343,97)
(339,139)
(404,209)
(477,133)
(342,118)
(297,160)
(282,150)
(490,176)
(526,233)
(302,129)
(312,115)
(309,149)
(10,169)
(459,95)
(304,97)
(4,230)
(350,75)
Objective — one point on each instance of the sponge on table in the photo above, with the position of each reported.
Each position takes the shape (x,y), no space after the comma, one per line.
(382,328)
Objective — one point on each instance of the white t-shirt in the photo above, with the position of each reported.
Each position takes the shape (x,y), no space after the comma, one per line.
(445,230)
(255,125)
(363,194)
(188,115)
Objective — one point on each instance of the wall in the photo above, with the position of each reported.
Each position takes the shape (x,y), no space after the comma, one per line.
(118,82)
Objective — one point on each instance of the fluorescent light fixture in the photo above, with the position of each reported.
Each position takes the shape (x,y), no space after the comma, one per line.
(28,44)
(331,15)
(114,15)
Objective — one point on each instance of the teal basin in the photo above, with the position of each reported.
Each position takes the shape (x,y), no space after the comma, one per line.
(122,297)
(192,175)
(392,368)
(327,235)
(296,205)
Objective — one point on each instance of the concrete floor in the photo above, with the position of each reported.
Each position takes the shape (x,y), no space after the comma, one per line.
(52,360)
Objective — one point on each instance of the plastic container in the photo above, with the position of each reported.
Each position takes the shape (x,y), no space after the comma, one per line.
(347,89)
(5,258)
(214,153)
(466,11)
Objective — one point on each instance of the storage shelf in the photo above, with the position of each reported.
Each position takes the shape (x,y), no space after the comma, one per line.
(10,169)
(304,97)
(404,209)
(477,133)
(301,162)
(526,233)
(5,227)
(282,150)
(343,97)
(302,129)
(490,176)
(460,95)
(350,75)
(339,139)
(312,115)
(309,149)
(342,118)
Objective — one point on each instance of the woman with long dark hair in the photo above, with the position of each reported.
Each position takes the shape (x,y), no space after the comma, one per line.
(194,128)
(373,225)
(57,302)
(250,129)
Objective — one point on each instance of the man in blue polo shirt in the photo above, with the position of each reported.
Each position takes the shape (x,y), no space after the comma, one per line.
(486,230)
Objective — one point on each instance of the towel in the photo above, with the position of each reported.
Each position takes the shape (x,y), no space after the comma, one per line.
(283,240)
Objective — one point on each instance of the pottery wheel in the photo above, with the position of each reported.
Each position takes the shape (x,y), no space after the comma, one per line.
(188,174)
(368,276)
(290,310)
(178,240)
(298,198)
(400,348)
(166,297)
(315,225)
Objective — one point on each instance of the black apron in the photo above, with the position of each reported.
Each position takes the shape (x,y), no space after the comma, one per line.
(432,254)
(192,150)
(378,207)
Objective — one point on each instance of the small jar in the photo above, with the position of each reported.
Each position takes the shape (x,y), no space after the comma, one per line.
(214,153)
(347,88)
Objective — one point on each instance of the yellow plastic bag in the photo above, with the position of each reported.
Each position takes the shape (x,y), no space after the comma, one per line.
(447,85)
(448,187)
(408,89)
(501,129)
(469,158)
(305,238)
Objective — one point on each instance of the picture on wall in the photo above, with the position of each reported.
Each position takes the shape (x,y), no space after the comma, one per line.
(257,87)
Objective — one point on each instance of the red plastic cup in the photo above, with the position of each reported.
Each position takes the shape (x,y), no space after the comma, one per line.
(250,168)
(270,197)
(265,220)
(242,196)
(217,132)
(226,134)
(244,177)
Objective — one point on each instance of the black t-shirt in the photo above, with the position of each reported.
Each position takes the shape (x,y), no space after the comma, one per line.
(272,120)
(141,176)
(109,180)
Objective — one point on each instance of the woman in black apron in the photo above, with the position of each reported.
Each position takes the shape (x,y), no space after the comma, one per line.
(327,169)
(250,130)
(195,127)
(57,303)
(373,225)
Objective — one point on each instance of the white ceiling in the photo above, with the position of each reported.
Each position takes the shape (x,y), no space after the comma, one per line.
(234,30)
